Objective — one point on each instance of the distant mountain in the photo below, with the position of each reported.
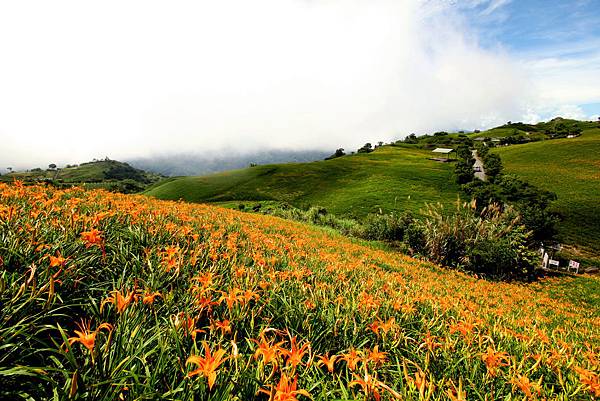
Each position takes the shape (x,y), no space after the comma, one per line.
(200,164)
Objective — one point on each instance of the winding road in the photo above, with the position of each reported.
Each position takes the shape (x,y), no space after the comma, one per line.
(479,172)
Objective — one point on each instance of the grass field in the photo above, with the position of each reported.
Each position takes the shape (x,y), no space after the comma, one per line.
(571,169)
(389,179)
(108,296)
(91,175)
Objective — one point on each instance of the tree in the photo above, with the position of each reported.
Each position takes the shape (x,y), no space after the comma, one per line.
(338,153)
(464,172)
(51,166)
(412,138)
(463,152)
(464,167)
(367,148)
(492,165)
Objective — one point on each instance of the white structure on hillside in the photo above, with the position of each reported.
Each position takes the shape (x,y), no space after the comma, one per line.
(444,151)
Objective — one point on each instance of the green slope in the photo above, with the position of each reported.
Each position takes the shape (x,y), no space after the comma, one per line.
(390,178)
(401,178)
(571,169)
(109,174)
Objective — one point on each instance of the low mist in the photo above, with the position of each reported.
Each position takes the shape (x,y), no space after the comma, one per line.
(130,80)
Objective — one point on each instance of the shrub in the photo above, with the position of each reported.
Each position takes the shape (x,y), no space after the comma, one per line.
(531,202)
(492,165)
(492,241)
(464,172)
(414,237)
(385,227)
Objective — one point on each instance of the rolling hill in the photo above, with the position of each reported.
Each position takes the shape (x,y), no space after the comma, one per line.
(389,179)
(179,164)
(106,174)
(401,177)
(569,167)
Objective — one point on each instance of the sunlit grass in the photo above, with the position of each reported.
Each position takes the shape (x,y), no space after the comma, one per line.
(571,169)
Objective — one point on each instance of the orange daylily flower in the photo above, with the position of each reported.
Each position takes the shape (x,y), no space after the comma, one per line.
(327,361)
(231,298)
(379,325)
(376,356)
(86,336)
(526,386)
(207,364)
(268,350)
(121,301)
(286,390)
(223,325)
(352,358)
(590,380)
(149,297)
(57,261)
(295,354)
(430,342)
(494,360)
(92,237)
(249,295)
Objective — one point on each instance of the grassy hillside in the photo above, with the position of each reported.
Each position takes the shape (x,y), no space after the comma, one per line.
(571,169)
(390,178)
(109,296)
(107,174)
(542,130)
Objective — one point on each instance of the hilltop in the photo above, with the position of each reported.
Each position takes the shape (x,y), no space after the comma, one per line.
(108,174)
(387,179)
(112,296)
(179,164)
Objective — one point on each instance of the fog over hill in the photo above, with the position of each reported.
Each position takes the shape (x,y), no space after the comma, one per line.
(203,163)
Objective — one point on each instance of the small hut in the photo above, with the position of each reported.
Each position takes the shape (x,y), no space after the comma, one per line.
(443,151)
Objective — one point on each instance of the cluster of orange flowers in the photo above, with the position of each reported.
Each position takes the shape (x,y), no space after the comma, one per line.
(232,268)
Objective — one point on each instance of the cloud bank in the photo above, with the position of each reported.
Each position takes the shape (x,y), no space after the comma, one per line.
(128,79)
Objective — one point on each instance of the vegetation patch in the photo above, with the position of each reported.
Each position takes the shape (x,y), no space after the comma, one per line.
(110,296)
(566,167)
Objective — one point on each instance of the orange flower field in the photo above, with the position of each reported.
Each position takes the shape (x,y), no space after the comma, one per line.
(106,296)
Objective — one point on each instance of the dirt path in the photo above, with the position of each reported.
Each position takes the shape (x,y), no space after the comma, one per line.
(478,163)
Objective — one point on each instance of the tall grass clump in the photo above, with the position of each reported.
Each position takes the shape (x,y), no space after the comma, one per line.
(492,241)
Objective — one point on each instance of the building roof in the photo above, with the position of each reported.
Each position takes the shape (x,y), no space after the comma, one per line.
(442,150)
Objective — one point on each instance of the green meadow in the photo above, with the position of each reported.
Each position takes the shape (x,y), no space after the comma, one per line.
(571,169)
(392,178)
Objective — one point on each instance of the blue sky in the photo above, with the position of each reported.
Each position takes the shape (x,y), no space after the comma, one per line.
(539,25)
(558,39)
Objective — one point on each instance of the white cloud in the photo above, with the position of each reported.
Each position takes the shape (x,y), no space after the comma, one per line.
(125,79)
(494,5)
(564,76)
